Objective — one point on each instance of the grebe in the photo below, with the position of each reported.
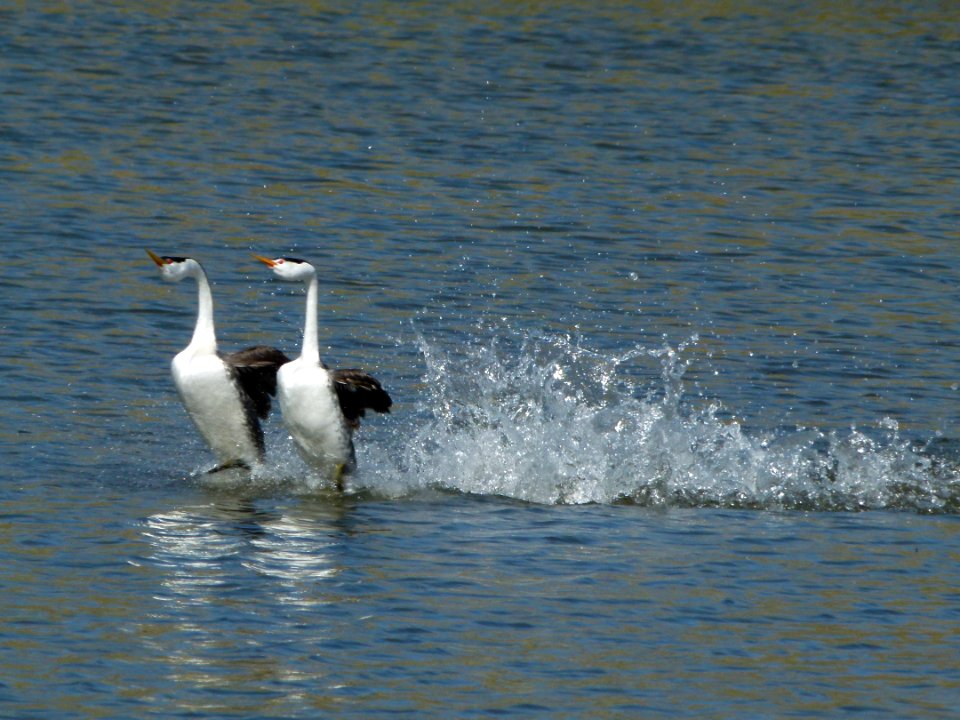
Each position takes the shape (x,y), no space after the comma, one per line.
(226,396)
(322,407)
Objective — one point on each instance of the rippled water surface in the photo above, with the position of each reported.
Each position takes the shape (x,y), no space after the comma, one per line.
(666,301)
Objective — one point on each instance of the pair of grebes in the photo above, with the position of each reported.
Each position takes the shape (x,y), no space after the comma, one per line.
(226,395)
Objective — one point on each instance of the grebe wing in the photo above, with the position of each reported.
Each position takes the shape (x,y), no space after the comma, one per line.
(357,392)
(255,369)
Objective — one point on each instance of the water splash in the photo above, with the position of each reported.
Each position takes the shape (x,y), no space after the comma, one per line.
(545,419)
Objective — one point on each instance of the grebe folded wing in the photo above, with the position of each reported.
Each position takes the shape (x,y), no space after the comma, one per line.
(358,392)
(255,369)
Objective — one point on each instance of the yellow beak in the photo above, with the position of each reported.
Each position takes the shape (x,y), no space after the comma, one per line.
(156,258)
(266,261)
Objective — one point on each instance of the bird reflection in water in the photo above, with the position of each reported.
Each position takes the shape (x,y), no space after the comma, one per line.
(206,548)
(205,556)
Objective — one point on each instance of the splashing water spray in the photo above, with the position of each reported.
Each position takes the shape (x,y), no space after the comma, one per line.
(541,418)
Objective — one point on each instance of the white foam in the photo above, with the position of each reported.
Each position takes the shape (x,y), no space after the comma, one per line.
(544,419)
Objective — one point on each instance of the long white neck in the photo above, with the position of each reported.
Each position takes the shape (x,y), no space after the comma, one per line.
(311,344)
(204,335)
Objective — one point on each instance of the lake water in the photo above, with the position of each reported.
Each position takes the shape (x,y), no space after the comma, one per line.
(665,295)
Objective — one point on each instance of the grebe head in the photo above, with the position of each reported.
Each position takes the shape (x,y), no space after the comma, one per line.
(174,268)
(289,269)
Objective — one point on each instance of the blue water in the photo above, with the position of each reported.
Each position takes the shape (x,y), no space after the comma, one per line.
(665,298)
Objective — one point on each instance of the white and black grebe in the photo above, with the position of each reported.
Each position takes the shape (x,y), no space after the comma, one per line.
(226,396)
(322,407)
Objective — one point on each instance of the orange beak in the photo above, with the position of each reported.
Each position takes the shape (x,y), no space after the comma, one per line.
(156,258)
(266,261)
